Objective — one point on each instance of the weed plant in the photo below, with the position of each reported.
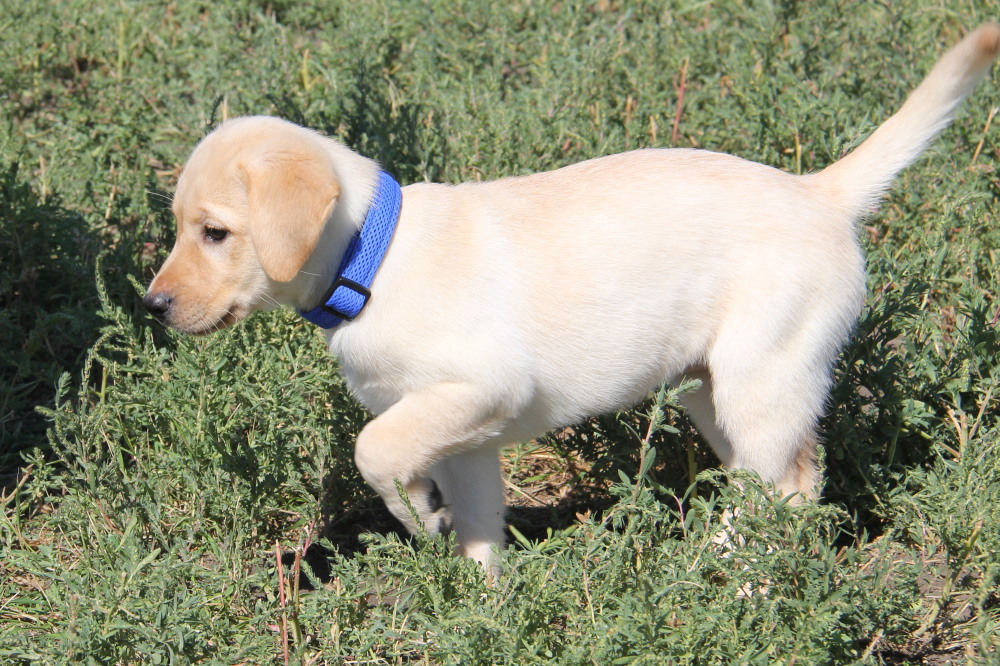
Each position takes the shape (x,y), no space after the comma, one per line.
(176,500)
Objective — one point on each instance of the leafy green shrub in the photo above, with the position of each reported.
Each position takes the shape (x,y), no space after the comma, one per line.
(195,499)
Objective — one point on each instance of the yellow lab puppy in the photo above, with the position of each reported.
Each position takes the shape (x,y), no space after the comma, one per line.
(488,313)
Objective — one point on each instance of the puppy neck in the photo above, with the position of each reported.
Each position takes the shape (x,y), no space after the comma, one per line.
(350,288)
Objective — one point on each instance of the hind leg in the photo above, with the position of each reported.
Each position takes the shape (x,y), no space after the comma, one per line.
(767,406)
(700,409)
(796,472)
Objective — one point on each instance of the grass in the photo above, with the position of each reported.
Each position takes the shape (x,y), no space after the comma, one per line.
(177,500)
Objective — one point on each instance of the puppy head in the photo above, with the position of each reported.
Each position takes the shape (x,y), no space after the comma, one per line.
(250,205)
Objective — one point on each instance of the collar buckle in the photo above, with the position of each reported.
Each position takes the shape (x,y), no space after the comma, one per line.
(356,305)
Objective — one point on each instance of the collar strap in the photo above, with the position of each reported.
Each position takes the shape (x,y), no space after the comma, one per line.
(351,286)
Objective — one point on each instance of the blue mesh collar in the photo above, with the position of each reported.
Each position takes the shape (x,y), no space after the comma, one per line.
(351,286)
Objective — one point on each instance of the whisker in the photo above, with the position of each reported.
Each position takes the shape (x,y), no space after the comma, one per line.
(164,197)
(217,326)
(270,299)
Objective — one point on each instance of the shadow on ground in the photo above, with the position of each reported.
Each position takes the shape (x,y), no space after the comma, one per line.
(48,307)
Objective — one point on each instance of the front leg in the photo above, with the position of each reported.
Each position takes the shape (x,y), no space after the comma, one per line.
(437,443)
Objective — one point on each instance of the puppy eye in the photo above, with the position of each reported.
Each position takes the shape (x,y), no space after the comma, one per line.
(215,234)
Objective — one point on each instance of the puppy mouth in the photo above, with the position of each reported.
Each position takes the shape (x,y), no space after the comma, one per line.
(225,321)
(205,325)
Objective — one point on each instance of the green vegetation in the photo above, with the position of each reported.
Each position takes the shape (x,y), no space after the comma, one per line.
(175,500)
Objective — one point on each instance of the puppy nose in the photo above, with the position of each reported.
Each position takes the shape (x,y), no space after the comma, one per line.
(158,303)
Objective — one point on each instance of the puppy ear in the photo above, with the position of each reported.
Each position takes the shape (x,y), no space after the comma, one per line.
(290,194)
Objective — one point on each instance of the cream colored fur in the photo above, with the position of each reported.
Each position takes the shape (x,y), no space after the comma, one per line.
(504,309)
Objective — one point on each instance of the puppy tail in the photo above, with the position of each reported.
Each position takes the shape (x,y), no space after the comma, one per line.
(858,181)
